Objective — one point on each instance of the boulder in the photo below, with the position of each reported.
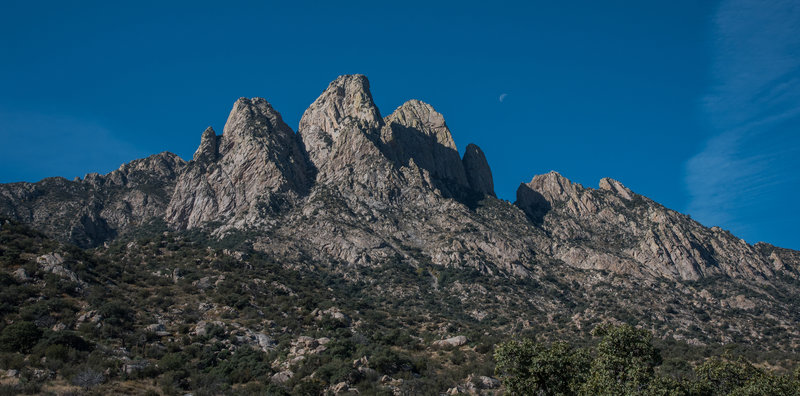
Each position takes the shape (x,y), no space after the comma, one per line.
(452,341)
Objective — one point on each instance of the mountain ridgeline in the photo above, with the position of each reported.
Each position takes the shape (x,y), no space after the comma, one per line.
(356,187)
(362,254)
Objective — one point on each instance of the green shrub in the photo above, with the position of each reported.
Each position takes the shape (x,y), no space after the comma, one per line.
(19,337)
(529,367)
(624,363)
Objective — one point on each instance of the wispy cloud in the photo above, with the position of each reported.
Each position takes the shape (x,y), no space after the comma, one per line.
(752,110)
(502,97)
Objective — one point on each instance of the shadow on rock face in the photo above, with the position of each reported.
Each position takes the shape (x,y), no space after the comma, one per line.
(443,163)
(532,203)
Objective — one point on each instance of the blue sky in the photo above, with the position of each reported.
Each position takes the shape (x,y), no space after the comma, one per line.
(694,104)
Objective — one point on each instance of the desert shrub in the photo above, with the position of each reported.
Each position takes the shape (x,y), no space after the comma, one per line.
(19,337)
(116,313)
(246,365)
(387,361)
(88,378)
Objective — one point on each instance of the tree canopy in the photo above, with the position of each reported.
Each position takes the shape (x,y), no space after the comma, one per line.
(625,362)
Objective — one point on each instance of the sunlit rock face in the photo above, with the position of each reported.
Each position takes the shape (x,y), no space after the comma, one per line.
(255,167)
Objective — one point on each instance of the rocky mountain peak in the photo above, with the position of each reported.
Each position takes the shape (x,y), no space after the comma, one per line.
(161,166)
(257,165)
(346,105)
(98,208)
(369,188)
(253,119)
(415,131)
(479,175)
(612,228)
(422,117)
(555,187)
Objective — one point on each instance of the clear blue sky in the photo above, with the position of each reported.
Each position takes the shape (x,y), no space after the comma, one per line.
(692,103)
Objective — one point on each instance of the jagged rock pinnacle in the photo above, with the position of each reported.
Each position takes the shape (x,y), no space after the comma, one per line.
(479,175)
(257,164)
(345,105)
(416,131)
(208,149)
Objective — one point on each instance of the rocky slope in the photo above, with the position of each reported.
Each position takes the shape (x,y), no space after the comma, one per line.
(615,229)
(95,209)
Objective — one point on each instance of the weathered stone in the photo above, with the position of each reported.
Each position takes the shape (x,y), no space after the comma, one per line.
(344,108)
(616,188)
(479,175)
(256,168)
(155,328)
(452,341)
(96,209)
(21,275)
(54,263)
(416,131)
(624,232)
(282,377)
(208,151)
(135,366)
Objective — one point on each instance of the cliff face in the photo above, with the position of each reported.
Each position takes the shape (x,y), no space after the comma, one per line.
(355,188)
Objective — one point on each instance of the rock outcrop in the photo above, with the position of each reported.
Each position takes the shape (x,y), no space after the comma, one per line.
(415,131)
(343,118)
(476,167)
(255,168)
(614,229)
(451,342)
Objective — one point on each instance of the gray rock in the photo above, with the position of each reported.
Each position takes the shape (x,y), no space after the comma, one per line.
(614,229)
(345,107)
(452,341)
(155,328)
(265,342)
(96,209)
(416,131)
(208,151)
(21,275)
(479,175)
(53,263)
(282,377)
(256,168)
(616,187)
(135,366)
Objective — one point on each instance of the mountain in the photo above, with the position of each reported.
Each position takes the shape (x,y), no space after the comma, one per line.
(379,223)
(373,187)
